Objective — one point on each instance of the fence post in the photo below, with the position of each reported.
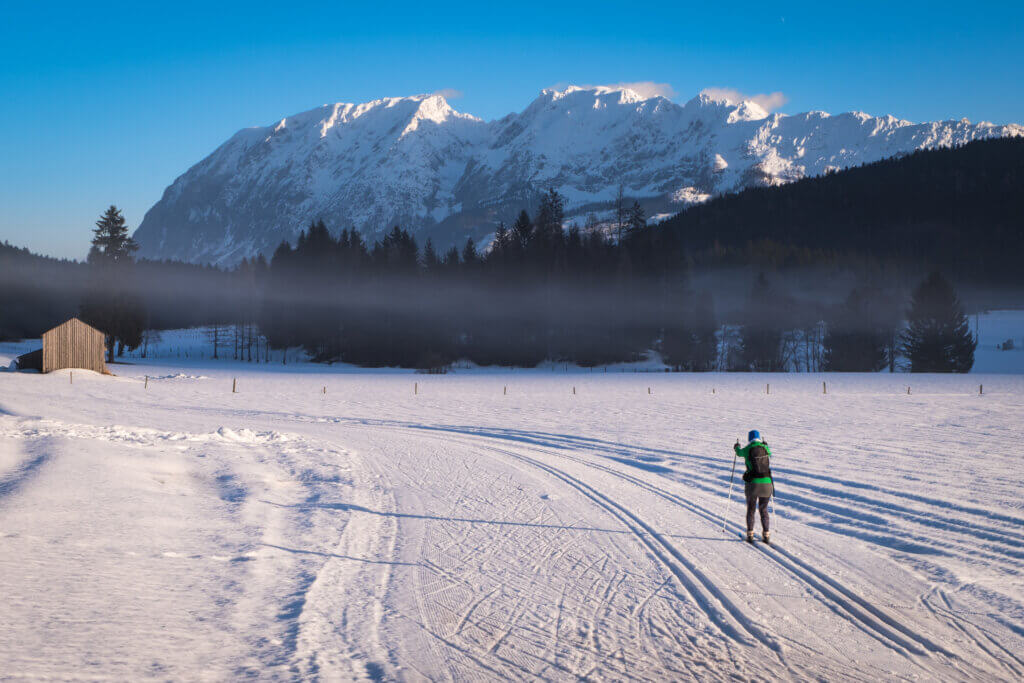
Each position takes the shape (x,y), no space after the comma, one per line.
(648,390)
(767,388)
(71,377)
(574,391)
(415,388)
(234,385)
(824,389)
(981,389)
(147,383)
(504,390)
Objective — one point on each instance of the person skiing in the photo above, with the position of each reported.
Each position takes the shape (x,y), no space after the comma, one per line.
(759,486)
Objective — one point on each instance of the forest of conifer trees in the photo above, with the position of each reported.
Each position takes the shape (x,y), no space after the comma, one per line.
(810,276)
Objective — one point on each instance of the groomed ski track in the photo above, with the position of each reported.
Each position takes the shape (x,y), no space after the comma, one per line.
(459,534)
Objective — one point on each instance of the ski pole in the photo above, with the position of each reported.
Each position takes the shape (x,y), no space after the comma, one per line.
(731,478)
(772,501)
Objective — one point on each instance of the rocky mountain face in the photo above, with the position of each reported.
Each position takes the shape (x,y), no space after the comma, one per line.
(418,163)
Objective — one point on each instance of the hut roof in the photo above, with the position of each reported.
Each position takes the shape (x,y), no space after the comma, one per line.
(75,322)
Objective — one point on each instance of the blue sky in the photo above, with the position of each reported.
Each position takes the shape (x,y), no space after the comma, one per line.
(109,102)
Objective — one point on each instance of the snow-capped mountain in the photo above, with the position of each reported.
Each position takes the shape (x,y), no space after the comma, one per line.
(418,163)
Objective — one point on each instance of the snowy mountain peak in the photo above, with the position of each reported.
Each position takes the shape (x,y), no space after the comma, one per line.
(622,93)
(748,110)
(417,162)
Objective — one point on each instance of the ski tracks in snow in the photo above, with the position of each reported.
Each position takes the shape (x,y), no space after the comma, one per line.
(337,548)
(695,584)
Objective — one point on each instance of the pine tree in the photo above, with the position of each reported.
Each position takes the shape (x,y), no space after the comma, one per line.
(762,329)
(451,258)
(620,212)
(110,304)
(469,255)
(938,337)
(430,258)
(636,219)
(111,243)
(855,338)
(522,229)
(550,216)
(704,328)
(499,245)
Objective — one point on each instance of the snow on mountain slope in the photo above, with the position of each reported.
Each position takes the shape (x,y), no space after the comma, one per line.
(416,162)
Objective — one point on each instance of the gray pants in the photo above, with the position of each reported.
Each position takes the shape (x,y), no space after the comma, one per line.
(755,503)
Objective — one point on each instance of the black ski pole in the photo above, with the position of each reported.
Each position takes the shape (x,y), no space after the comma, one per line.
(731,478)
(774,507)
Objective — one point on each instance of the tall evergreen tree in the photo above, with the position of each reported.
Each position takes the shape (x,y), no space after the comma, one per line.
(430,258)
(111,243)
(855,340)
(938,337)
(451,258)
(762,329)
(470,258)
(550,216)
(636,218)
(110,304)
(620,213)
(522,229)
(704,330)
(499,246)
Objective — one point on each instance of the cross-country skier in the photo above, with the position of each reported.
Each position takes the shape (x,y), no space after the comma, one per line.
(759,485)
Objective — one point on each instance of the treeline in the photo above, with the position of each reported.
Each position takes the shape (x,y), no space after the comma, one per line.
(38,292)
(714,288)
(959,209)
(541,292)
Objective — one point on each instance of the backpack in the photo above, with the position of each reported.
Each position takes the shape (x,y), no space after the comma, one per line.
(759,466)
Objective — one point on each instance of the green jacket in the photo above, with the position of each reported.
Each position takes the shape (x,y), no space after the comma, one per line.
(745,452)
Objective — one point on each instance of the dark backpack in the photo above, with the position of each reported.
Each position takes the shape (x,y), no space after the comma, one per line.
(759,466)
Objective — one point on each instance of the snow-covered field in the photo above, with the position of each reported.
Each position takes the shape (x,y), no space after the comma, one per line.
(486,525)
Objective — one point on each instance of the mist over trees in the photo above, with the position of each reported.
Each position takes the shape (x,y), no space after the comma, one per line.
(738,284)
(859,332)
(938,337)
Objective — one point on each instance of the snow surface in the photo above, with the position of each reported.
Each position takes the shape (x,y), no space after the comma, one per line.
(416,162)
(516,524)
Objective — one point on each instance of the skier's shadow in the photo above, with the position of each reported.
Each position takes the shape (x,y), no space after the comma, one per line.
(40,453)
(641,457)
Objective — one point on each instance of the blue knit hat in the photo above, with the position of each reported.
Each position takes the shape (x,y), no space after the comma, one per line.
(754,435)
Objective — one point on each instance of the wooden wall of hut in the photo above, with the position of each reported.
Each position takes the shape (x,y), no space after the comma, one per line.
(74,344)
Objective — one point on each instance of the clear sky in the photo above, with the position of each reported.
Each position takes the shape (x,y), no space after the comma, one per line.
(106,103)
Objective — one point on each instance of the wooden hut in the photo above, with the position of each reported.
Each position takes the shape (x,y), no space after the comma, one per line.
(74,344)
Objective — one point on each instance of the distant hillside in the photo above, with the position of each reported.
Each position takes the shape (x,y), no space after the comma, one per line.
(959,209)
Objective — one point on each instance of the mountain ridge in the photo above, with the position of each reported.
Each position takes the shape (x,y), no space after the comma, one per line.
(417,162)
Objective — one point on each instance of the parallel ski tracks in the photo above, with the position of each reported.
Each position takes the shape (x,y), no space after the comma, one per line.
(706,594)
(703,591)
(856,609)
